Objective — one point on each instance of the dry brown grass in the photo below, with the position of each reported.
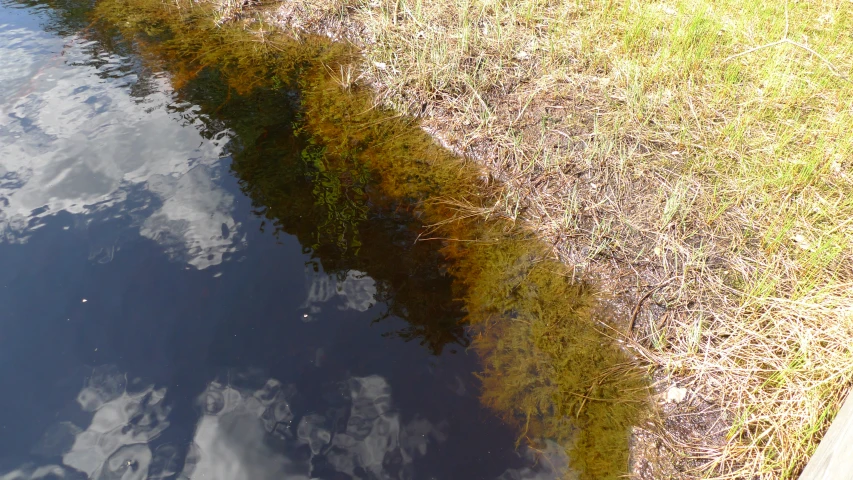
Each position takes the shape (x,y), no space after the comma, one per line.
(700,148)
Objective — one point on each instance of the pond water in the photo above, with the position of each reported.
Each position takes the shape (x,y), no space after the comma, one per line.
(177,300)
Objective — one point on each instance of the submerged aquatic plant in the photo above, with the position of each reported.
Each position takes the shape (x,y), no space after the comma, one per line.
(547,365)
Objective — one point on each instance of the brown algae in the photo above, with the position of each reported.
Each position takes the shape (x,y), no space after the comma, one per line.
(549,366)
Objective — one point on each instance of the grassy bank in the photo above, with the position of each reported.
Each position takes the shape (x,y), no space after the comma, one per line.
(693,158)
(697,150)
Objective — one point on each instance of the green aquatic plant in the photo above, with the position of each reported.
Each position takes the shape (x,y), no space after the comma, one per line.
(547,366)
(358,185)
(341,195)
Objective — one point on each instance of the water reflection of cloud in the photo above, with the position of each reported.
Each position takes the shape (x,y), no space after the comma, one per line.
(72,138)
(550,463)
(115,445)
(247,434)
(30,472)
(194,220)
(356,290)
(241,434)
(374,440)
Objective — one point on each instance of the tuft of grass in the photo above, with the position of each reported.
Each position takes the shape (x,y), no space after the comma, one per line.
(701,142)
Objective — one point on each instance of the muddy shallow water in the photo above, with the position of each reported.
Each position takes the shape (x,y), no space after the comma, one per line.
(202,277)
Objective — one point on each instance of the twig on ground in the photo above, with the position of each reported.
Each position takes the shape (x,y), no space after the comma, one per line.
(637,307)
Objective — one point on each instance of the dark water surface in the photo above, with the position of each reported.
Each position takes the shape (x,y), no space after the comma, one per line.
(154,323)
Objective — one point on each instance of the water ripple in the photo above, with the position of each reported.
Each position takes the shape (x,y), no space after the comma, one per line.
(73,139)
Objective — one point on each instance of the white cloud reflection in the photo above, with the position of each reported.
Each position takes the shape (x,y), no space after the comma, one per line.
(247,435)
(235,438)
(241,434)
(115,445)
(550,463)
(28,472)
(74,139)
(357,291)
(374,438)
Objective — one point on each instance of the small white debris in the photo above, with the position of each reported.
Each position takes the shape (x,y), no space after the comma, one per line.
(305,315)
(675,394)
(84,300)
(802,242)
(835,167)
(380,65)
